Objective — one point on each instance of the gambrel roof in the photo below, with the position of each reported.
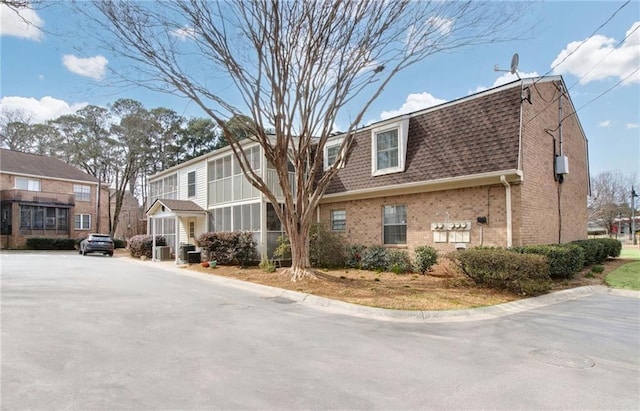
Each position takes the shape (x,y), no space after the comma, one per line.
(34,165)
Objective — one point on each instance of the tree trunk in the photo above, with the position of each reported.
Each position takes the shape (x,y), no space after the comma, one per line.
(300,263)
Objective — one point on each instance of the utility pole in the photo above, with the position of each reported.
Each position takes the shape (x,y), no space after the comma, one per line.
(633,216)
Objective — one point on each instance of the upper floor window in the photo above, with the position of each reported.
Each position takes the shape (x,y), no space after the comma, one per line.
(82,193)
(166,188)
(331,152)
(191,184)
(389,147)
(394,224)
(27,184)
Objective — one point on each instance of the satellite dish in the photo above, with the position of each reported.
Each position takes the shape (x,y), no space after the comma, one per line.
(514,63)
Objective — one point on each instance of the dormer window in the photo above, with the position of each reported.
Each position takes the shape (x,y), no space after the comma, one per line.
(331,152)
(389,147)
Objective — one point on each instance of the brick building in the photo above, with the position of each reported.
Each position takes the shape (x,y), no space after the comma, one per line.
(494,169)
(45,197)
(507,166)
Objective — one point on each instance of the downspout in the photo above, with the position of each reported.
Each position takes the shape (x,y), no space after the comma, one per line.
(507,188)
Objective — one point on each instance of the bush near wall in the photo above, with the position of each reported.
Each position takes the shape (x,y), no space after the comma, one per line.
(142,245)
(565,261)
(374,258)
(44,243)
(326,248)
(612,246)
(595,252)
(399,262)
(354,255)
(426,257)
(525,274)
(234,247)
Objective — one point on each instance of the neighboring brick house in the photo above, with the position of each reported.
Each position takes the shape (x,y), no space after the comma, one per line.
(492,169)
(45,197)
(480,170)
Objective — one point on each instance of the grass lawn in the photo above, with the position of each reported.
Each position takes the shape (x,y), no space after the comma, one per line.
(626,276)
(631,253)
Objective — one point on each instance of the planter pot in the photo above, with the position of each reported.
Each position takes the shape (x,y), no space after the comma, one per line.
(213,264)
(205,264)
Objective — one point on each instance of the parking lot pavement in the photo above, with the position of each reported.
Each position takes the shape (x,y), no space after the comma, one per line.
(99,333)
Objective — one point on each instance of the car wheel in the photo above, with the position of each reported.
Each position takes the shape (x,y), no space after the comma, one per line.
(84,252)
(80,251)
(110,254)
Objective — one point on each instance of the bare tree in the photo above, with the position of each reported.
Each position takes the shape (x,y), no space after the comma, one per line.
(15,126)
(296,65)
(610,198)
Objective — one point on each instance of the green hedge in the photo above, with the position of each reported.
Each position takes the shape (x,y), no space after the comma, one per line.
(326,248)
(594,251)
(44,243)
(525,274)
(426,257)
(565,261)
(613,247)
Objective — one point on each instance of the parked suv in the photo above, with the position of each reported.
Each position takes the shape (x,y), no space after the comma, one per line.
(97,243)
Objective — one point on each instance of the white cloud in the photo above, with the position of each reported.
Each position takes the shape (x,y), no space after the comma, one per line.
(92,67)
(25,25)
(599,59)
(40,76)
(605,123)
(184,33)
(47,108)
(632,125)
(441,24)
(504,79)
(414,102)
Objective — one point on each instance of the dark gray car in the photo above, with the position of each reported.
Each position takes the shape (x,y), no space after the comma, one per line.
(97,243)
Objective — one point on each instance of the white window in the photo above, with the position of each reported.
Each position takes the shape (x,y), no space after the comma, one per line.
(331,152)
(394,224)
(389,147)
(82,222)
(191,184)
(27,184)
(82,193)
(338,220)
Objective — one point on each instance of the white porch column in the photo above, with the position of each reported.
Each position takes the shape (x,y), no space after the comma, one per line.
(177,244)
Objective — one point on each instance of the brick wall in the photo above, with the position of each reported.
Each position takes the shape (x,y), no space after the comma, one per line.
(364,217)
(552,212)
(17,238)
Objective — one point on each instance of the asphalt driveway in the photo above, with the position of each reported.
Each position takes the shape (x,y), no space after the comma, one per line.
(105,333)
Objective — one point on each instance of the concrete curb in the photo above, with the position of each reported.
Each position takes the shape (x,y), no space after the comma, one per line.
(413,316)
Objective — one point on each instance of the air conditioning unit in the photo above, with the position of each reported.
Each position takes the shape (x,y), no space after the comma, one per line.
(162,253)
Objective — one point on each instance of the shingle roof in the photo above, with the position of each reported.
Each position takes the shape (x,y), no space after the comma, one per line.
(474,136)
(180,205)
(16,162)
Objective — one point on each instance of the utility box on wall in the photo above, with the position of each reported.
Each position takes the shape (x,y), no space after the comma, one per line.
(562,165)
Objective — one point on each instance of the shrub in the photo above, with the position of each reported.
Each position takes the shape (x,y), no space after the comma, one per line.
(500,269)
(267,266)
(354,255)
(594,251)
(612,246)
(142,245)
(283,250)
(398,261)
(234,247)
(597,269)
(118,243)
(44,243)
(375,258)
(565,261)
(326,249)
(426,257)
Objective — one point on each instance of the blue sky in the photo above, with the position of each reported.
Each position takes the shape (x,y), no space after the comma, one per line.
(47,73)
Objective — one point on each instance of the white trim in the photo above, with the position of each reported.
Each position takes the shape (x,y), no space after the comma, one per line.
(402,127)
(507,188)
(475,180)
(40,177)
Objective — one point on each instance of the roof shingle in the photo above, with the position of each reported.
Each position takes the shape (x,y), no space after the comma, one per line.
(15,162)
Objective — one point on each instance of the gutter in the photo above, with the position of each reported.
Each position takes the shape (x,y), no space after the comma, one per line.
(507,188)
(476,180)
